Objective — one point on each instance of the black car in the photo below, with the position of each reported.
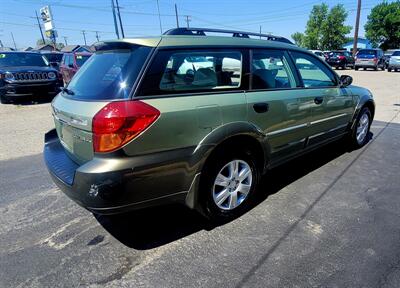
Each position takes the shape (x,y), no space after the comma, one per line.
(27,74)
(340,59)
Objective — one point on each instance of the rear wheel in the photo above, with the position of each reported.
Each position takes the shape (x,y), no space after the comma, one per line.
(356,68)
(228,184)
(360,131)
(389,69)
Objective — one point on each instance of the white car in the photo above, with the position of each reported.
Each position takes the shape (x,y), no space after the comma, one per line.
(319,53)
(394,61)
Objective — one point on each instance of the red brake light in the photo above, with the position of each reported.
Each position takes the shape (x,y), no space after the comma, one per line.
(375,59)
(119,122)
(342,57)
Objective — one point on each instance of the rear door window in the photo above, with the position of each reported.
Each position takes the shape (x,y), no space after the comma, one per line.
(109,74)
(193,71)
(313,72)
(270,70)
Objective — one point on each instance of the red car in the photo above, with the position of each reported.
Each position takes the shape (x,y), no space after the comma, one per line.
(70,63)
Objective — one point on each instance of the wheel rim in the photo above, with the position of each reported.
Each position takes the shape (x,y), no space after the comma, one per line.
(232,184)
(362,128)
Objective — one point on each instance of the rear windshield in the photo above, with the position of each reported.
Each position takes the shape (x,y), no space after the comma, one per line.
(367,52)
(80,59)
(336,53)
(108,75)
(396,53)
(22,59)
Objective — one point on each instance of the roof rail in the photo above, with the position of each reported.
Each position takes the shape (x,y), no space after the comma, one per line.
(240,34)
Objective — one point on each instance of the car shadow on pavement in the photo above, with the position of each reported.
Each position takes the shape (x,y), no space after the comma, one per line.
(153,227)
(28,101)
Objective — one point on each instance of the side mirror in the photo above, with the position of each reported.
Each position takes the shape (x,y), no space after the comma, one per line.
(345,80)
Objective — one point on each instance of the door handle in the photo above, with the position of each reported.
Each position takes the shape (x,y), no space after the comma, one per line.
(318,100)
(261,107)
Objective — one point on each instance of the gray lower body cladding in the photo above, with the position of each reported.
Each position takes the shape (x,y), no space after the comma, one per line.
(115,183)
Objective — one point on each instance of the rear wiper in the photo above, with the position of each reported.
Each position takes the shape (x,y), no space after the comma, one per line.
(68,91)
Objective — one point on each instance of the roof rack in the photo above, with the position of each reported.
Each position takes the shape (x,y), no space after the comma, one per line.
(240,34)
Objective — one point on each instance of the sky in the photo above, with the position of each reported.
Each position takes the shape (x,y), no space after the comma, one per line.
(140,17)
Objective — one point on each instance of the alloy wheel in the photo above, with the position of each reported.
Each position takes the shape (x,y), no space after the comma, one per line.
(232,184)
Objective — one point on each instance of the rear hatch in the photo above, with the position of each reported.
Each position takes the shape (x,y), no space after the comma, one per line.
(108,75)
(366,56)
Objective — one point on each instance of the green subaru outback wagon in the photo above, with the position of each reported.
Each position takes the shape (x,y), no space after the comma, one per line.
(195,119)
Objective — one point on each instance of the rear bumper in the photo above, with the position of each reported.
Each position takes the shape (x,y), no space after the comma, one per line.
(117,183)
(366,64)
(394,65)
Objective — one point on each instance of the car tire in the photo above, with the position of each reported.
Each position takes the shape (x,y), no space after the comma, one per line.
(360,132)
(376,68)
(389,69)
(356,68)
(364,68)
(223,193)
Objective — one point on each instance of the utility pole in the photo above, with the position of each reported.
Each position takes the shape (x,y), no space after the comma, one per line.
(176,15)
(40,27)
(12,36)
(260,31)
(187,20)
(356,28)
(115,18)
(120,21)
(1,44)
(159,15)
(97,36)
(65,40)
(84,36)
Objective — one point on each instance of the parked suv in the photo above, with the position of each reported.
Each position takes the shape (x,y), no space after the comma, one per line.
(70,63)
(195,119)
(27,74)
(370,58)
(340,59)
(394,61)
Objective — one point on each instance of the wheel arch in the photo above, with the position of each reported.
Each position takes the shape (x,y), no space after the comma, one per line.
(229,136)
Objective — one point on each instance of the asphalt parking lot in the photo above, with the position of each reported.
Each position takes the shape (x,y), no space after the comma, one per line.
(328,219)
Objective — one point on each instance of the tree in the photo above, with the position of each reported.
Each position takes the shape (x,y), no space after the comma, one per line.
(383,25)
(59,46)
(333,29)
(325,28)
(313,34)
(298,39)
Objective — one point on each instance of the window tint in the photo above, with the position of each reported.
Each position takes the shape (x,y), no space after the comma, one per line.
(198,71)
(109,74)
(312,71)
(270,70)
(80,59)
(396,53)
(367,52)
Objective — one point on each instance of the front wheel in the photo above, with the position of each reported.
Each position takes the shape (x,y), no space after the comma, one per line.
(360,131)
(228,184)
(389,69)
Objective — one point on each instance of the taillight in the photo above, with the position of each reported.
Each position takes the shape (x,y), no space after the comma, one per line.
(375,59)
(342,57)
(119,122)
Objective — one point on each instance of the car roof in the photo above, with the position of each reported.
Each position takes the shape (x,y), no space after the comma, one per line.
(201,41)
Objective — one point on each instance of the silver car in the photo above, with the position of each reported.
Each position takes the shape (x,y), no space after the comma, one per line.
(394,61)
